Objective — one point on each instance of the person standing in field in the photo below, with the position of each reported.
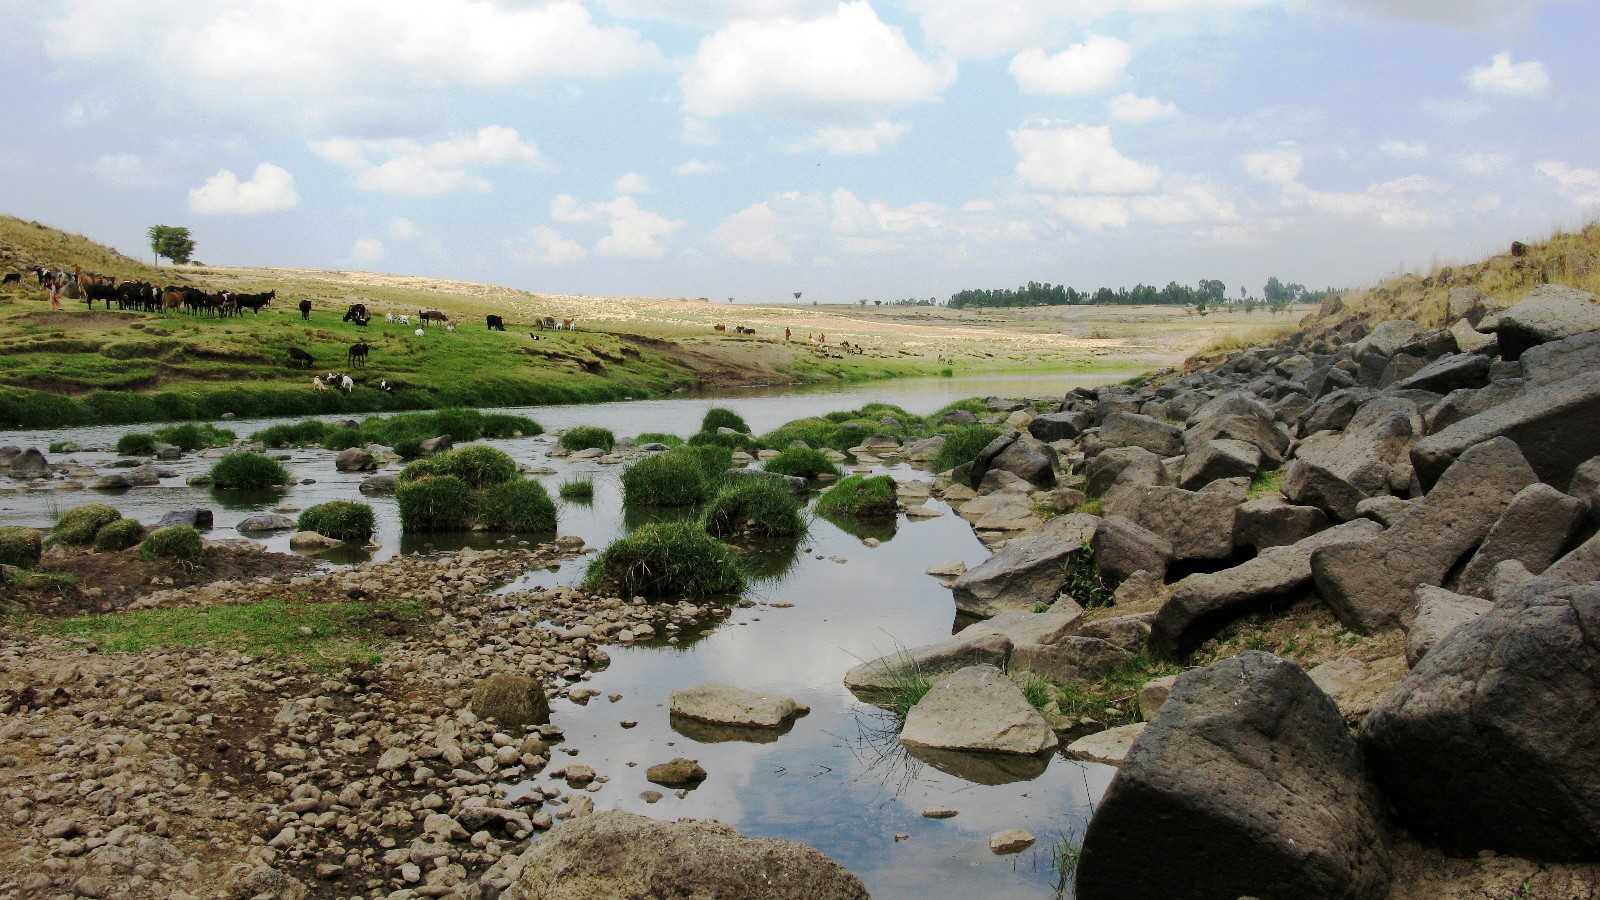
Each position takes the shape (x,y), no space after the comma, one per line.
(55,293)
(786,335)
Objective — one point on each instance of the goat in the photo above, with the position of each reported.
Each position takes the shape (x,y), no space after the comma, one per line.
(300,358)
(305,310)
(357,355)
(450,327)
(317,384)
(569,324)
(346,384)
(389,316)
(496,323)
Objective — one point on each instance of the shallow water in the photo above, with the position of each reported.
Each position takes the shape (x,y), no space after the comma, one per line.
(837,780)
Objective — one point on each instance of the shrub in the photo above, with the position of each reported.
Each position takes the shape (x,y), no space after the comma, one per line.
(136,443)
(248,471)
(79,525)
(667,559)
(435,503)
(342,520)
(732,441)
(802,462)
(577,489)
(587,437)
(770,505)
(718,417)
(674,478)
(20,547)
(521,504)
(962,444)
(118,535)
(190,436)
(179,542)
(860,497)
(477,465)
(658,437)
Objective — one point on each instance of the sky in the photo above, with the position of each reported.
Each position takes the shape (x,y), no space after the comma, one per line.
(751,149)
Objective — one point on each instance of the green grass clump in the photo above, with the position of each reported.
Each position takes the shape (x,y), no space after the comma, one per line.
(505,425)
(435,503)
(404,432)
(308,433)
(761,505)
(718,417)
(476,465)
(119,535)
(342,520)
(20,547)
(1265,484)
(136,443)
(520,505)
(248,472)
(1113,699)
(947,373)
(190,436)
(64,446)
(588,437)
(658,437)
(802,462)
(961,446)
(319,635)
(1083,581)
(732,440)
(79,525)
(1038,689)
(860,497)
(667,560)
(714,460)
(907,684)
(674,478)
(577,489)
(176,542)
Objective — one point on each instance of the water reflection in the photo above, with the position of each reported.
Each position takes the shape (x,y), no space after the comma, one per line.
(708,733)
(253,500)
(880,529)
(771,559)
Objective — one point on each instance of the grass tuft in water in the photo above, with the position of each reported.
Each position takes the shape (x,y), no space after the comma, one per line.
(79,525)
(342,520)
(860,497)
(577,489)
(667,560)
(588,437)
(802,462)
(720,417)
(758,505)
(961,446)
(119,535)
(658,437)
(179,543)
(674,478)
(248,472)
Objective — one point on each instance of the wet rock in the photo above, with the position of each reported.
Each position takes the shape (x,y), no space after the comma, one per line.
(30,463)
(619,854)
(1028,570)
(117,482)
(723,705)
(193,518)
(1012,840)
(1489,743)
(676,773)
(1534,529)
(1199,524)
(1545,424)
(1110,747)
(1372,585)
(435,444)
(355,459)
(512,700)
(312,541)
(977,709)
(379,484)
(1439,612)
(1251,768)
(1547,313)
(265,522)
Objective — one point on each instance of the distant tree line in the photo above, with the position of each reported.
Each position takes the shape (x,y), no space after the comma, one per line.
(1207,294)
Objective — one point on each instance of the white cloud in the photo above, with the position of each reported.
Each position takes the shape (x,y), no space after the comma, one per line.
(365,252)
(631,183)
(1135,109)
(403,229)
(1504,78)
(269,189)
(83,113)
(1079,159)
(1454,13)
(1581,186)
(1482,163)
(407,167)
(716,12)
(754,234)
(1085,68)
(123,170)
(635,233)
(696,167)
(321,53)
(1273,166)
(1177,203)
(983,28)
(844,141)
(566,208)
(847,60)
(1404,149)
(1391,203)
(542,245)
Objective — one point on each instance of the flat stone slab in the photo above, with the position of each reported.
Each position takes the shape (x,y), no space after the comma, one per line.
(1110,746)
(977,709)
(723,705)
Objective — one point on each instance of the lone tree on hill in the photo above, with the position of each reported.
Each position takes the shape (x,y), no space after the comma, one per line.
(171,241)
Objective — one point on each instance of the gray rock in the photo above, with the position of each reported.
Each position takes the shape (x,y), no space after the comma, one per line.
(677,772)
(1153,695)
(724,705)
(1199,524)
(977,709)
(1465,403)
(1582,565)
(1387,338)
(265,522)
(1123,429)
(1385,510)
(1080,657)
(1109,747)
(1448,373)
(312,541)
(144,476)
(1562,359)
(958,417)
(1250,768)
(619,854)
(1356,686)
(1548,313)
(193,518)
(168,452)
(1027,458)
(30,463)
(926,449)
(355,459)
(1533,530)
(1028,570)
(1468,303)
(117,482)
(379,484)
(1552,425)
(1334,472)
(1231,404)
(1490,742)
(1122,466)
(968,648)
(1372,585)
(1439,612)
(1212,460)
(1272,521)
(1335,410)
(1201,604)
(792,482)
(1271,439)
(1059,426)
(1122,547)
(435,445)
(1470,340)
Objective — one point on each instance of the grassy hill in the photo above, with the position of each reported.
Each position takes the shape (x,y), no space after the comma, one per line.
(24,245)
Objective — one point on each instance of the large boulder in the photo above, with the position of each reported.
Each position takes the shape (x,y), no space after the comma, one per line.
(1333,411)
(1201,604)
(1372,585)
(1060,426)
(1213,460)
(1122,547)
(1133,430)
(1246,784)
(1030,569)
(193,518)
(1490,742)
(435,445)
(1555,425)
(1563,359)
(1199,524)
(629,857)
(1534,530)
(30,463)
(977,709)
(1439,612)
(1549,312)
(1271,439)
(1120,466)
(265,522)
(723,705)
(1334,472)
(1272,521)
(355,459)
(1387,338)
(1466,403)
(1448,373)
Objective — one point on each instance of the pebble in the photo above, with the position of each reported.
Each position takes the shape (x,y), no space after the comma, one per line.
(1012,840)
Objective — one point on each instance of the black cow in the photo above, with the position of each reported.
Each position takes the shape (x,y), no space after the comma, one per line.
(305,310)
(496,323)
(254,302)
(357,355)
(12,278)
(299,358)
(357,313)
